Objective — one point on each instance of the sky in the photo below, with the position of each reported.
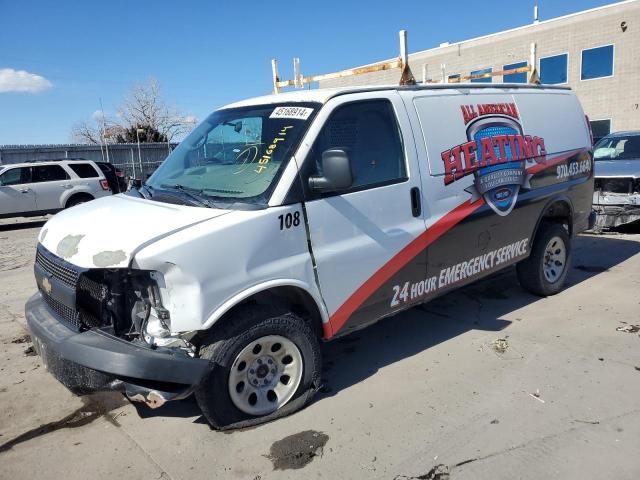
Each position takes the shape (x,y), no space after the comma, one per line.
(58,59)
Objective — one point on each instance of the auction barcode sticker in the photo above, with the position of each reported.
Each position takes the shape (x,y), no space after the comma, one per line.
(298,113)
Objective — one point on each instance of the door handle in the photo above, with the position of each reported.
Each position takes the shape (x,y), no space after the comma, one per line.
(67,186)
(416,207)
(25,190)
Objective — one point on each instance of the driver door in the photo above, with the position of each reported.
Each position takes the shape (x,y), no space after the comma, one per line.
(360,236)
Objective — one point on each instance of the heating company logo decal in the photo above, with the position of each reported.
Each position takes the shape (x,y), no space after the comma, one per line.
(496,152)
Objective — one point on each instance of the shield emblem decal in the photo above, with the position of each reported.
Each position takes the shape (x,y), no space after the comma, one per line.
(499,184)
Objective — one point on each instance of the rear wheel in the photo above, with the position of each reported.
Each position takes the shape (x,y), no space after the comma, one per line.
(545,271)
(264,365)
(77,200)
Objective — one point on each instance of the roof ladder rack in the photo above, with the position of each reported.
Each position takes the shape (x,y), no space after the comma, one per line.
(299,81)
(402,63)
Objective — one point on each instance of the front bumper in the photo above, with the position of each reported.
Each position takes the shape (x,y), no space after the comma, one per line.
(608,216)
(615,209)
(94,360)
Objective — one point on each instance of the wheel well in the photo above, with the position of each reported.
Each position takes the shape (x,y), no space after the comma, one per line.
(285,298)
(78,196)
(559,211)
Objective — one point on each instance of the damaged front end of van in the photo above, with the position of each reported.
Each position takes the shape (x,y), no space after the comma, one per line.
(101,322)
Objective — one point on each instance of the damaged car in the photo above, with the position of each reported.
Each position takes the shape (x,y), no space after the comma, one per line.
(284,221)
(616,196)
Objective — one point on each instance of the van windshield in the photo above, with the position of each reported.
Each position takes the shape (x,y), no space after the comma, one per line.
(236,154)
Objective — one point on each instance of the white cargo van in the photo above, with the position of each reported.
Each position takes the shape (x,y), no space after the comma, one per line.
(286,220)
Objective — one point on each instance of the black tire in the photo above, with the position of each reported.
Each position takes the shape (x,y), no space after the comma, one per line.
(225,343)
(77,200)
(531,274)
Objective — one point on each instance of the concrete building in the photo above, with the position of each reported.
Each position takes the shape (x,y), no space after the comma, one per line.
(596,52)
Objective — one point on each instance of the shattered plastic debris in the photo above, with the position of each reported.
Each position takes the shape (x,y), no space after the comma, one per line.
(537,396)
(29,351)
(439,472)
(628,328)
(26,338)
(500,345)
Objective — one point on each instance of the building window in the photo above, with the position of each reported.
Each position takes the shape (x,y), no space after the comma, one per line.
(554,69)
(597,63)
(600,128)
(515,77)
(480,72)
(453,78)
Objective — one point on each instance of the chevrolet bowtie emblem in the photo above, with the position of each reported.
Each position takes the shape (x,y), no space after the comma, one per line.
(46,285)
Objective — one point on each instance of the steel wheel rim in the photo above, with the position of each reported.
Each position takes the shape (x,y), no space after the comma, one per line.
(555,259)
(265,375)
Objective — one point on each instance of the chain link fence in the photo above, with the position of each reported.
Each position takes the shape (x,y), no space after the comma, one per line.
(137,161)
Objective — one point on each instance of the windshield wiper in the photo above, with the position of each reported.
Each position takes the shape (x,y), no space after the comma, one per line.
(198,196)
(148,189)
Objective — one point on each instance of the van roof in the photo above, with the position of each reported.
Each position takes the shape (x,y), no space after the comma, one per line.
(322,95)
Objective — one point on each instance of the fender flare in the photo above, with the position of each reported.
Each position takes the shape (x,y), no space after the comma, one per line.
(68,194)
(555,199)
(231,302)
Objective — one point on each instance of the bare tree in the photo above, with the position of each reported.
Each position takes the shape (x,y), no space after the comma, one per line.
(86,132)
(144,109)
(96,131)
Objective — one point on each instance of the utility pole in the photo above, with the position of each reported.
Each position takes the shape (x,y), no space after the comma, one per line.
(138,130)
(104,131)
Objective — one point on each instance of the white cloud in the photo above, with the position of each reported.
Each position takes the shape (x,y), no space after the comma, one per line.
(98,116)
(22,81)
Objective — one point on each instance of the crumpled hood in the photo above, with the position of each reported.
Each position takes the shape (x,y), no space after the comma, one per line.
(617,168)
(107,232)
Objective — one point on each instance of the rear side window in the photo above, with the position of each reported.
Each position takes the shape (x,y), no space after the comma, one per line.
(16,176)
(369,134)
(49,173)
(84,170)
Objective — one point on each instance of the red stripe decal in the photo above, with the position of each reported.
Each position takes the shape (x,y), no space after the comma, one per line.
(408,253)
(403,257)
(555,160)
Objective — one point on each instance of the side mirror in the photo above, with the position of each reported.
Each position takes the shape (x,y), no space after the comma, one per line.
(336,169)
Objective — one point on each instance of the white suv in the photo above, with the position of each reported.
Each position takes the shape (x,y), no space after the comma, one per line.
(28,189)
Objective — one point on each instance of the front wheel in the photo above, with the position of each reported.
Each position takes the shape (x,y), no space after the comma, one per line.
(545,271)
(263,366)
